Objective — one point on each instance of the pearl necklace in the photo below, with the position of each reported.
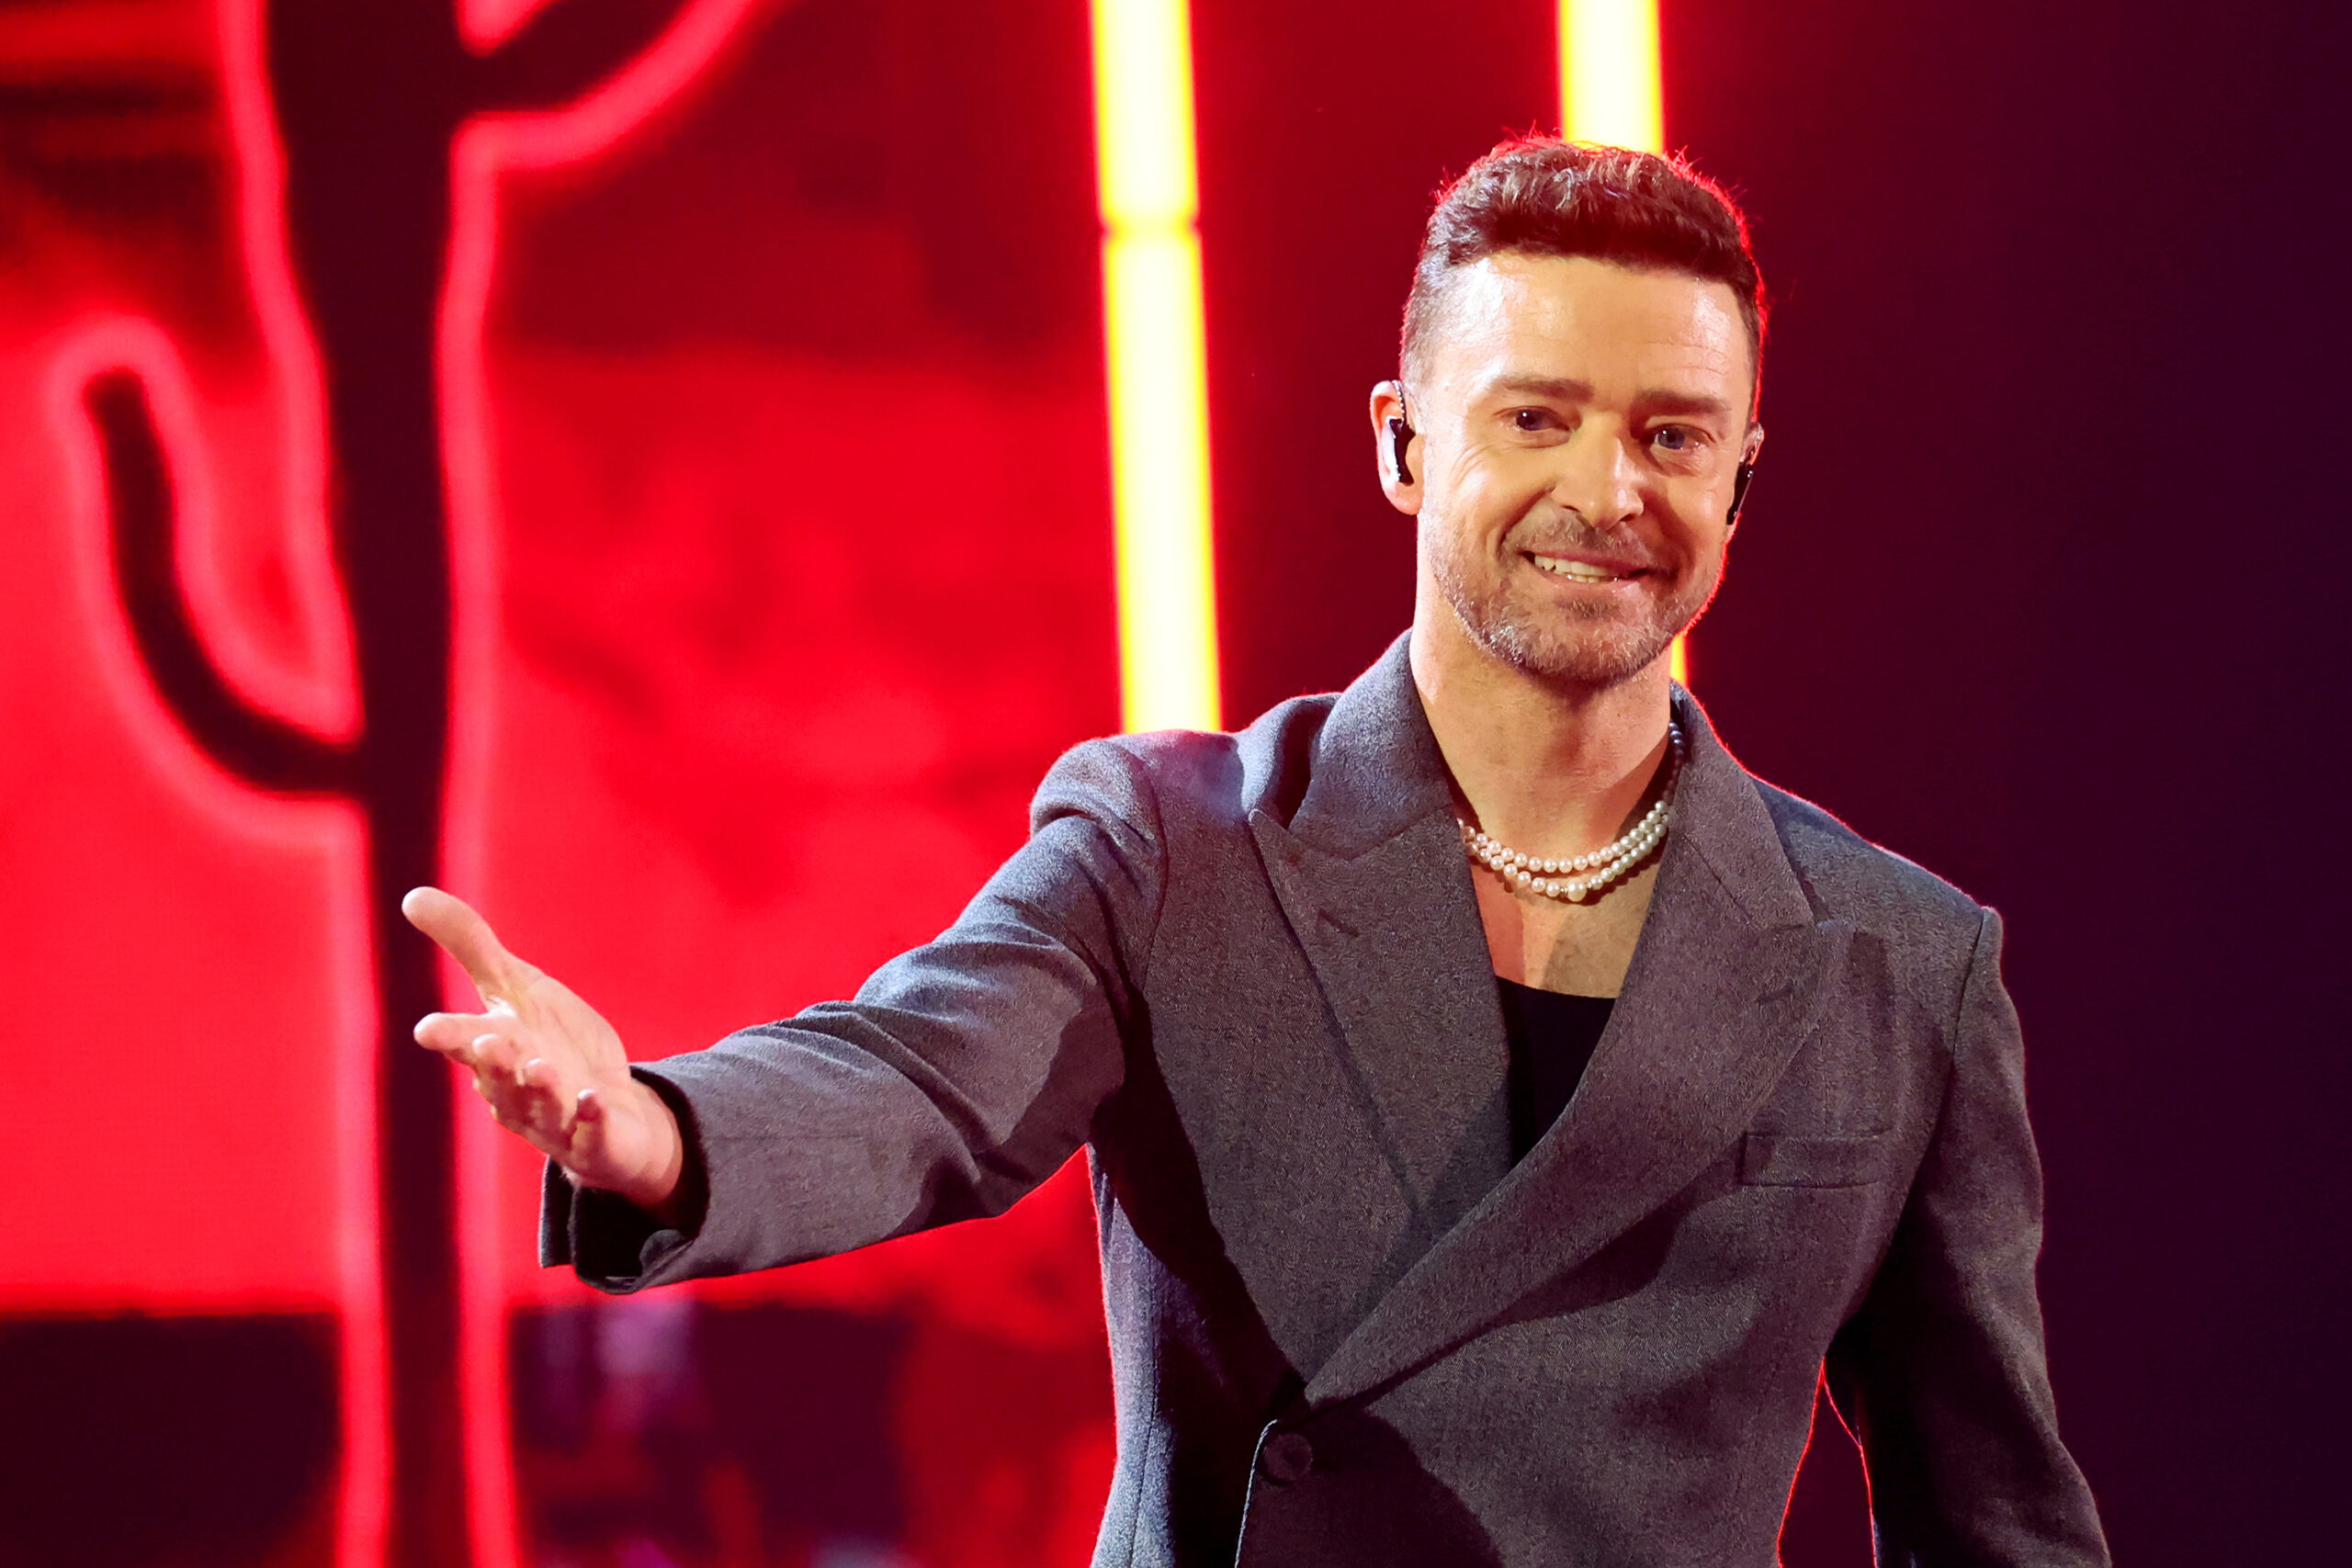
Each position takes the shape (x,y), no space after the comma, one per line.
(1613,859)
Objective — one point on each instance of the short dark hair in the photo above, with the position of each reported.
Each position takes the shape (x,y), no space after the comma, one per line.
(1541,196)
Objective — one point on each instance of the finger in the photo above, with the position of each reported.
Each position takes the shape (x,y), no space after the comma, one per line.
(463,1040)
(592,1128)
(454,1034)
(544,1100)
(590,1137)
(467,937)
(531,1110)
(496,1056)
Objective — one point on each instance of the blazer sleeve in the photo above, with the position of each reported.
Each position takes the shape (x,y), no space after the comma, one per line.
(963,1074)
(1942,1374)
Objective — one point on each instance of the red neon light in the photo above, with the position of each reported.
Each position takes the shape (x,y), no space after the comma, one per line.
(322,696)
(330,830)
(486,150)
(486,24)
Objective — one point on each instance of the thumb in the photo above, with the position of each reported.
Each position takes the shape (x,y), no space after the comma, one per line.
(465,936)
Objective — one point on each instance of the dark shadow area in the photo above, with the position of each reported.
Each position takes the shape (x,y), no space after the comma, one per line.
(1353,1491)
(2038,267)
(193,1442)
(1828,1520)
(1220,1376)
(708,1433)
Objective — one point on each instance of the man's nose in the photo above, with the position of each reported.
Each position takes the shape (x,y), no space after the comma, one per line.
(1597,478)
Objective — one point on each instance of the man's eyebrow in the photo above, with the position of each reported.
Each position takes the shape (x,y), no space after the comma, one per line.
(1666,401)
(1564,389)
(1568,389)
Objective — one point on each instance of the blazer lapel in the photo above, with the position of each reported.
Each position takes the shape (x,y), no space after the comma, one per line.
(1372,882)
(1410,987)
(1724,987)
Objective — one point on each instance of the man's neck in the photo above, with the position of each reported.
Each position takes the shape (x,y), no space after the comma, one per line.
(1550,769)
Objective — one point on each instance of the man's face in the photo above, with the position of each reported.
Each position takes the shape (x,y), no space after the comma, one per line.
(1580,426)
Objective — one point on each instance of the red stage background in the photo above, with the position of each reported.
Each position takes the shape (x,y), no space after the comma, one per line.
(769,393)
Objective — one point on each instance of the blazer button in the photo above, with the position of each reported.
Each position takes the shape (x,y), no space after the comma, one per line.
(1287,1457)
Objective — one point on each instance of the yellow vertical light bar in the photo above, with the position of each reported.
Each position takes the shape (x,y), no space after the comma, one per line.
(1156,365)
(1609,73)
(1610,93)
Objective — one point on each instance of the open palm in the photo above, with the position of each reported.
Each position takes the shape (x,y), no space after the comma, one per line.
(550,1067)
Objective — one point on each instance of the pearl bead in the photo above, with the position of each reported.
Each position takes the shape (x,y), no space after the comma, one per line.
(1614,859)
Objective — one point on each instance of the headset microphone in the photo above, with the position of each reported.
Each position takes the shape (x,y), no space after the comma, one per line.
(1739,491)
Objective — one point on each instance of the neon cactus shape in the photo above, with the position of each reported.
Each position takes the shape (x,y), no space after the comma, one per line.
(370,133)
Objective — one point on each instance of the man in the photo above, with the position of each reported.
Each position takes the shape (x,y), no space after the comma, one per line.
(1499,1104)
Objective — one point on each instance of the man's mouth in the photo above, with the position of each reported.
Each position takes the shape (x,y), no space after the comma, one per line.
(1584,570)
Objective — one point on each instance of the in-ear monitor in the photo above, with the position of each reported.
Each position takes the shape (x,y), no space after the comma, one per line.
(1400,437)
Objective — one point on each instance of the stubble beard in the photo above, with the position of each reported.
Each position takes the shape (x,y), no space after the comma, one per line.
(1588,646)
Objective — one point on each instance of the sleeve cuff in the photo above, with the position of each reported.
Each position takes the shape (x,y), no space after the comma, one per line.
(611,1242)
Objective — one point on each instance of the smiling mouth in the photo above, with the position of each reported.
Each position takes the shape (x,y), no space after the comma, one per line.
(1584,571)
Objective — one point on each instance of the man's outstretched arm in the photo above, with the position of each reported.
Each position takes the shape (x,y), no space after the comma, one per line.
(964,1073)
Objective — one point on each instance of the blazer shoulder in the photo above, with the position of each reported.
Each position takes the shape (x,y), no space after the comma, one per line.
(1878,891)
(1188,778)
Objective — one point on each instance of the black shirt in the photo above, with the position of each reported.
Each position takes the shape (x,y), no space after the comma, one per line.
(1551,1035)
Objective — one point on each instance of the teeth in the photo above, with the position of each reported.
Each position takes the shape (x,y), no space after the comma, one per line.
(1582,571)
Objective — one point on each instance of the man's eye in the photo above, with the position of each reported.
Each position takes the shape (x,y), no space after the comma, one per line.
(1673,438)
(1531,420)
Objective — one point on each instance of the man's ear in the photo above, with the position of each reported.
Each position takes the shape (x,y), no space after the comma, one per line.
(1396,448)
(1752,444)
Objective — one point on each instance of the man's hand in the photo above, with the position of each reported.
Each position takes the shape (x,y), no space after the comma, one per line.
(552,1070)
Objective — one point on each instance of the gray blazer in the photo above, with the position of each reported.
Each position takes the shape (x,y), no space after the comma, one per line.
(1246,971)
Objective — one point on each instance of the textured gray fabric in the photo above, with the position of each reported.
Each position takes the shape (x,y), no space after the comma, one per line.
(1246,973)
